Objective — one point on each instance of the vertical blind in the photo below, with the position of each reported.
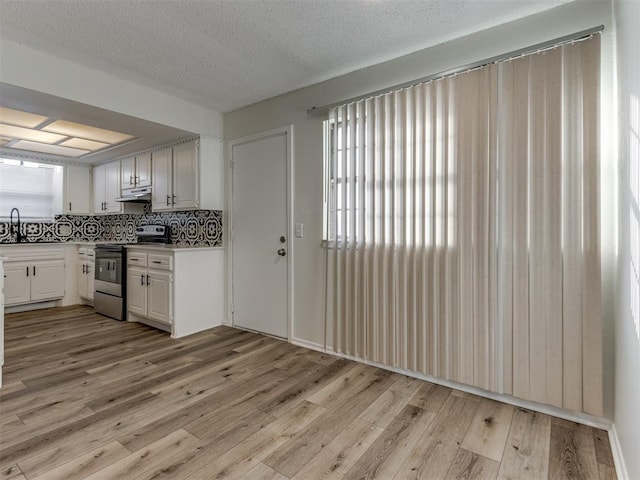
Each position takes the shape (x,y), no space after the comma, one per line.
(464,228)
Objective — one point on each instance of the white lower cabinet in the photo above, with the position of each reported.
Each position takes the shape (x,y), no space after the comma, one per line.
(86,272)
(180,290)
(36,279)
(150,286)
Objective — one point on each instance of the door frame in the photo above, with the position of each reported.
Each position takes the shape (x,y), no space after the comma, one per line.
(288,132)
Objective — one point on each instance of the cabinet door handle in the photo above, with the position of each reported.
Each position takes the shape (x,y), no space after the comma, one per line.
(34,270)
(168,197)
(173,199)
(130,179)
(148,280)
(69,206)
(156,261)
(141,279)
(83,267)
(27,271)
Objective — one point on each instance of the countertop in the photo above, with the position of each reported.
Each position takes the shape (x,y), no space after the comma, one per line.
(29,244)
(171,248)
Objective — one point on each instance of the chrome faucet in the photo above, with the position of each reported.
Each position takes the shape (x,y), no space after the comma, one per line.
(15,228)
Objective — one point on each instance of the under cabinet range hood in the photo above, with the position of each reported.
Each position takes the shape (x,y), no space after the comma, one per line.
(136,195)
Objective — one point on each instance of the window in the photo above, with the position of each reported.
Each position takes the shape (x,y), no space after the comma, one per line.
(35,189)
(338,179)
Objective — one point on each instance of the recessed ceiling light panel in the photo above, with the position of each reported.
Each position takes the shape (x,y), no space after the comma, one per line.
(84,144)
(20,118)
(46,148)
(72,129)
(28,134)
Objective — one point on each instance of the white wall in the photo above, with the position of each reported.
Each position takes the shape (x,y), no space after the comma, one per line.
(290,109)
(627,336)
(35,70)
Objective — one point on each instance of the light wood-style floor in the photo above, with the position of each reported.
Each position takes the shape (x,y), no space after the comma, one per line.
(89,397)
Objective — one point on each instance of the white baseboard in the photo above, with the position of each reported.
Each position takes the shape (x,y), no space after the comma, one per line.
(311,345)
(616,450)
(577,417)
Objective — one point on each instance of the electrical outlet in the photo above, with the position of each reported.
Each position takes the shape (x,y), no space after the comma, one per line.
(299,230)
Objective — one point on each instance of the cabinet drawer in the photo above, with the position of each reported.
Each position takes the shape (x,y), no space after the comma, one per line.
(137,258)
(87,252)
(160,262)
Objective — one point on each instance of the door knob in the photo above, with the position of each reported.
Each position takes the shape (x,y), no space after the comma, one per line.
(282,252)
(283,239)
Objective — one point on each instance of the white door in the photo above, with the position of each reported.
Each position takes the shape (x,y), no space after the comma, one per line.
(159,296)
(47,280)
(99,192)
(128,172)
(260,236)
(82,279)
(161,180)
(143,170)
(137,291)
(112,187)
(185,176)
(78,190)
(91,288)
(17,285)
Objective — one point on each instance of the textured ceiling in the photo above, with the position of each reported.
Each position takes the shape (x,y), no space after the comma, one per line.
(228,54)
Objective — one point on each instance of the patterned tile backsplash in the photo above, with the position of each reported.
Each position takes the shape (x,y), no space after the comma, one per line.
(199,228)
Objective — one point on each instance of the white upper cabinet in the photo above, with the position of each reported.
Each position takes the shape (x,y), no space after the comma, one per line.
(77,182)
(143,170)
(128,169)
(180,174)
(161,178)
(99,192)
(106,188)
(112,187)
(185,176)
(136,171)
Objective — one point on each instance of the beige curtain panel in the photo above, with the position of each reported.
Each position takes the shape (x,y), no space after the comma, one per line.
(463,228)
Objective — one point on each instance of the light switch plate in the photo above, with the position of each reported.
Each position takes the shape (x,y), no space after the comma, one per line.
(299,230)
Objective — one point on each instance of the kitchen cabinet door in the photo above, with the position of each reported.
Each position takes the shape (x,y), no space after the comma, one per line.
(143,170)
(185,176)
(112,187)
(77,190)
(47,280)
(91,287)
(17,285)
(159,294)
(99,182)
(161,180)
(128,172)
(82,279)
(137,290)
